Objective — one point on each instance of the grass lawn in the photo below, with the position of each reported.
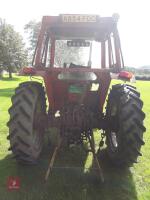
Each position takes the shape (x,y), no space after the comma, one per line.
(74,183)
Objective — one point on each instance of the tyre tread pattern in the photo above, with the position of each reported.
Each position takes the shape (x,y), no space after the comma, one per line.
(21,121)
(131,128)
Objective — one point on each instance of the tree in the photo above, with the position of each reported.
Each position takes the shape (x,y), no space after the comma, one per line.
(32,29)
(13,54)
(62,52)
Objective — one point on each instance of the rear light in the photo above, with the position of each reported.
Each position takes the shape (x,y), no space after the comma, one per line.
(29,70)
(125,75)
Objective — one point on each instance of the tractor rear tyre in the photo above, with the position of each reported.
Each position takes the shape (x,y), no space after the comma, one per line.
(26,124)
(124,134)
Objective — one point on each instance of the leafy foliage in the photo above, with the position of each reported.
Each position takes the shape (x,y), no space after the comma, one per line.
(12,51)
(32,28)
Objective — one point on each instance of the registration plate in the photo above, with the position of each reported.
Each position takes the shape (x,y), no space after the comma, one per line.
(78,18)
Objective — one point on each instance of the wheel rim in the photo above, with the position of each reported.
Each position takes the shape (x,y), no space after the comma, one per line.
(114,141)
(37,135)
(113,136)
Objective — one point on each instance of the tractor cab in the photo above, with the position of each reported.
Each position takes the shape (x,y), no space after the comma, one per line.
(67,48)
(79,32)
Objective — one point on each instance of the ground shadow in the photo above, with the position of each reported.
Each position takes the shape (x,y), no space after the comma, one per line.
(118,184)
(71,183)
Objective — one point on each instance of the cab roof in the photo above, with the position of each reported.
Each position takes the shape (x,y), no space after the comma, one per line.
(90,27)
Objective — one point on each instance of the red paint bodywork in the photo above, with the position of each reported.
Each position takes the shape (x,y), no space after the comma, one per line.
(58,90)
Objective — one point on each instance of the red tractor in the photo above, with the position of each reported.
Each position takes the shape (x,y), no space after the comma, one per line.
(76,94)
